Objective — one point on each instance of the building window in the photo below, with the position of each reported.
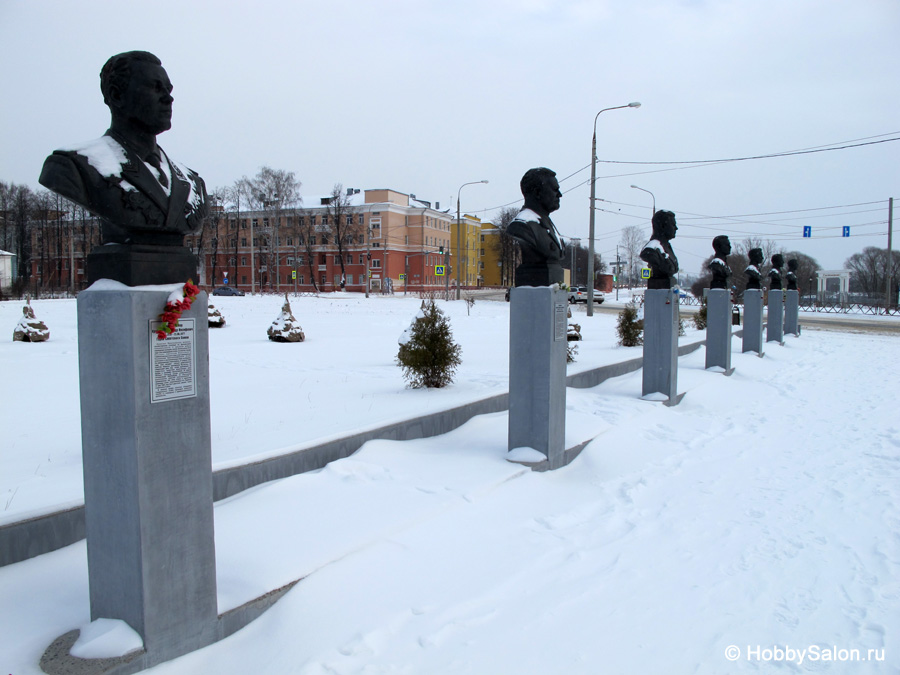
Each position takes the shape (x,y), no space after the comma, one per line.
(243,241)
(362,258)
(361,219)
(312,221)
(350,219)
(300,278)
(360,239)
(243,261)
(324,219)
(376,264)
(256,222)
(337,260)
(265,223)
(290,241)
(300,221)
(243,278)
(312,240)
(243,223)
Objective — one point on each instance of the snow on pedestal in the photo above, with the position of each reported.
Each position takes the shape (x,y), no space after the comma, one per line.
(285,328)
(30,329)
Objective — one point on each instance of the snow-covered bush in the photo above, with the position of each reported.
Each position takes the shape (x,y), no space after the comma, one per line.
(285,328)
(215,318)
(700,317)
(630,328)
(30,329)
(428,355)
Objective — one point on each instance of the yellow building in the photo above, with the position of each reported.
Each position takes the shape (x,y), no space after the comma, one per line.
(465,249)
(490,265)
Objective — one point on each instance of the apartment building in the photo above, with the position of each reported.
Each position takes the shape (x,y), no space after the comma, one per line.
(388,240)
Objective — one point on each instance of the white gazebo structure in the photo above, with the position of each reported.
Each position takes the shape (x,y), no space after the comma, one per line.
(6,268)
(822,279)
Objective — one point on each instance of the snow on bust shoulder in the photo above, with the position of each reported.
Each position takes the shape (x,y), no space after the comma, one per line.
(104,154)
(526,216)
(718,262)
(656,245)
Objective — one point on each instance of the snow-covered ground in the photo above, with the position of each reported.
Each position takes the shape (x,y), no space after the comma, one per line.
(758,518)
(267,398)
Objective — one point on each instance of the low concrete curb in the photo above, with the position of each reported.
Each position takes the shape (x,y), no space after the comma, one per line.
(35,536)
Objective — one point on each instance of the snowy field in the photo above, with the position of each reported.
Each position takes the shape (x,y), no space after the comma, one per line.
(266,398)
(758,520)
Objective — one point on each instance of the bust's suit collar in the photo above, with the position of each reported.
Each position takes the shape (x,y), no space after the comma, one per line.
(135,171)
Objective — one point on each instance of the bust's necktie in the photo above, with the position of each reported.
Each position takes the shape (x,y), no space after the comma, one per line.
(155,161)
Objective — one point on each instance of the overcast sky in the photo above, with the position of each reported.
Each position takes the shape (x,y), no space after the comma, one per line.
(423,96)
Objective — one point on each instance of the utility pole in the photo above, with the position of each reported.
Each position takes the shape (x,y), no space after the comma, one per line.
(369,257)
(618,272)
(889,263)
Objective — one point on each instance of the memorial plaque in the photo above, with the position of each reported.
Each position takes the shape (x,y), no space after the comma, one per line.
(173,363)
(560,323)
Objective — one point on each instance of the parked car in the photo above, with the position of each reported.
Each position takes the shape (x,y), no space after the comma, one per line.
(227,290)
(580,294)
(577,294)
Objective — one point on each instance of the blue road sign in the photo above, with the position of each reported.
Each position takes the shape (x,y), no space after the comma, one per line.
(645,273)
(439,270)
(846,232)
(807,231)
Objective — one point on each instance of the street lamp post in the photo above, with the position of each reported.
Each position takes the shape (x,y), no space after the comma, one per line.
(459,234)
(590,279)
(649,193)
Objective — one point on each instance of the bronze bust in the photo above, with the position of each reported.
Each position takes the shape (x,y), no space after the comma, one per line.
(534,231)
(775,272)
(791,275)
(141,196)
(658,252)
(753,273)
(721,272)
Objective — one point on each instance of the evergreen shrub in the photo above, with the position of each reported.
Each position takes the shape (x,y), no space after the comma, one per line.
(630,328)
(428,355)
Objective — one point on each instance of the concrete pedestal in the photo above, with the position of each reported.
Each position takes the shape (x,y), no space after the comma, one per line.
(537,371)
(141,264)
(718,329)
(792,312)
(148,469)
(660,369)
(775,318)
(753,322)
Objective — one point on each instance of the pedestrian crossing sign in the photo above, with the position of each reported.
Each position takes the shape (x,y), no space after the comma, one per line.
(439,270)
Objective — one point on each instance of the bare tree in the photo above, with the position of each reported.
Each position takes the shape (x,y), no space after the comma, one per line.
(506,247)
(307,233)
(274,190)
(633,240)
(341,222)
(868,270)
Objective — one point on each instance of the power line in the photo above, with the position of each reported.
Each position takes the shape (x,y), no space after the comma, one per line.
(788,153)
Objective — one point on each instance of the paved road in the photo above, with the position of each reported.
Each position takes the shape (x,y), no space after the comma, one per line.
(859,323)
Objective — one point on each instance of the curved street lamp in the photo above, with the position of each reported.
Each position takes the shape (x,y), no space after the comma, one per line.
(649,193)
(459,234)
(590,279)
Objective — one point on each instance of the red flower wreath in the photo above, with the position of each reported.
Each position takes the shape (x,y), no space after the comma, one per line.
(179,302)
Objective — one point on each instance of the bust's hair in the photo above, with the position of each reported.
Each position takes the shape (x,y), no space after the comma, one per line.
(719,243)
(660,218)
(755,253)
(534,179)
(117,70)
(793,264)
(777,260)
